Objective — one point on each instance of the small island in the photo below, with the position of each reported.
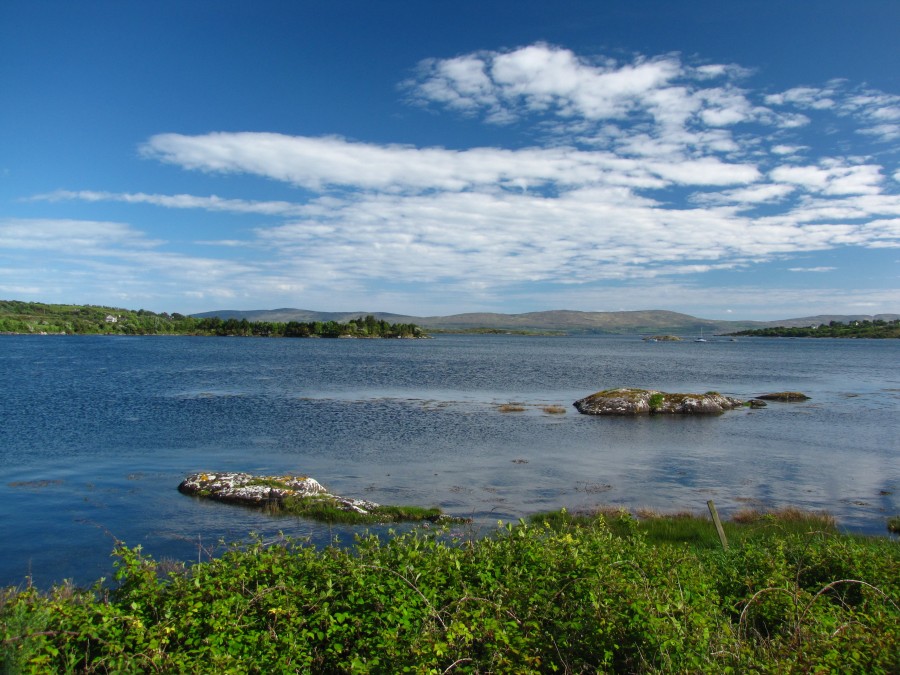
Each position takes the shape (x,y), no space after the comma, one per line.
(629,401)
(301,496)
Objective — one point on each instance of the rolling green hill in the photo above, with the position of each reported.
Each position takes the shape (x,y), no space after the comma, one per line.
(565,321)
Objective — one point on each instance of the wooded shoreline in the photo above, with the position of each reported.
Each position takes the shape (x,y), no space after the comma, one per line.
(37,318)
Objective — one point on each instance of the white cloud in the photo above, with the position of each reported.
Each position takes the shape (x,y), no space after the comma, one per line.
(783,149)
(886,132)
(323,163)
(747,196)
(582,236)
(540,78)
(883,233)
(808,97)
(877,112)
(832,178)
(103,255)
(182,201)
(811,269)
(709,171)
(544,78)
(789,121)
(84,236)
(725,107)
(459,83)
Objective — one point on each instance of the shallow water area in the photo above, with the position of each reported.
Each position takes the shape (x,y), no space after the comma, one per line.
(96,433)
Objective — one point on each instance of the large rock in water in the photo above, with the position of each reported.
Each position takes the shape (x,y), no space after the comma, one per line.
(244,488)
(627,401)
(784,396)
(302,496)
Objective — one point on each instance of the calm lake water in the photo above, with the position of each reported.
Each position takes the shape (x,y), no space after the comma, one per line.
(97,432)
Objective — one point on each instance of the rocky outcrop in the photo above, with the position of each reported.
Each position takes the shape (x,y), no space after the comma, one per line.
(784,396)
(299,495)
(244,488)
(627,401)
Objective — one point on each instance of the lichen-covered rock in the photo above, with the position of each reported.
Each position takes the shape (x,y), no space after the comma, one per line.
(627,401)
(300,495)
(784,396)
(244,488)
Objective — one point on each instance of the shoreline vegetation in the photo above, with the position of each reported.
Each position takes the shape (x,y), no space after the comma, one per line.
(37,318)
(604,591)
(878,329)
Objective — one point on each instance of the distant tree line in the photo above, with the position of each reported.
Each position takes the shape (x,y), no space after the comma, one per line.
(367,326)
(853,329)
(35,317)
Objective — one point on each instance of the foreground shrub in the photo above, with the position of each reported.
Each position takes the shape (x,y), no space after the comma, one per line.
(532,598)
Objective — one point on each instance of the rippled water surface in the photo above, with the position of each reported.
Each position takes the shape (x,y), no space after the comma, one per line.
(97,432)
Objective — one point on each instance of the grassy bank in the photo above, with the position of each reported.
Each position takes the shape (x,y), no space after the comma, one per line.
(603,592)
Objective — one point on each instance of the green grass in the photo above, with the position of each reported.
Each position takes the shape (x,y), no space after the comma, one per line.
(691,529)
(656,400)
(263,481)
(327,509)
(397,514)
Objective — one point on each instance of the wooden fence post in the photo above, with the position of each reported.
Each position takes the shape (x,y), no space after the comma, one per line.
(719,529)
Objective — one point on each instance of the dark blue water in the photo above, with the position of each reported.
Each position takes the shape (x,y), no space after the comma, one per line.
(97,432)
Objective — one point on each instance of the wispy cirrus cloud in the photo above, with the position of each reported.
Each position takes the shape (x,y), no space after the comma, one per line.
(103,256)
(325,163)
(88,237)
(181,201)
(877,112)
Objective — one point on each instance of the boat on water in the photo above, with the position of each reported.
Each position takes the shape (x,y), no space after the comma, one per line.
(701,338)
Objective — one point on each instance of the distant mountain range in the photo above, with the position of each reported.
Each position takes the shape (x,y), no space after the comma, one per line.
(564,321)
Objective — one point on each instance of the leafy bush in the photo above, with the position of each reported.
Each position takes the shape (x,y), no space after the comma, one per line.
(598,594)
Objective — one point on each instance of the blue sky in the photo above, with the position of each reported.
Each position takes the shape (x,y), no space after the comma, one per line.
(724,159)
